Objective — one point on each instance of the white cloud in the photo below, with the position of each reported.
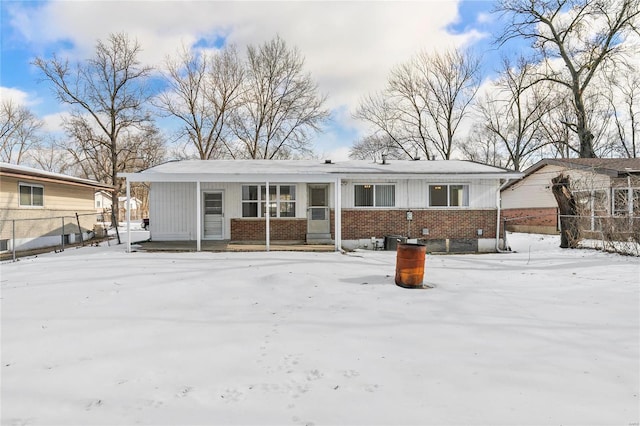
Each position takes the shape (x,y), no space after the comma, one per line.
(17,96)
(349,46)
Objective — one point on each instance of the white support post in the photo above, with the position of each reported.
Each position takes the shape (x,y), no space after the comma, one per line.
(198,217)
(128,207)
(337,221)
(268,216)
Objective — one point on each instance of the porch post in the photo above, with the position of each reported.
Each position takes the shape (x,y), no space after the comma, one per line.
(268,216)
(198,217)
(128,207)
(337,221)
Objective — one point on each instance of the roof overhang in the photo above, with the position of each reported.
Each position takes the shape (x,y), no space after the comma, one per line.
(306,178)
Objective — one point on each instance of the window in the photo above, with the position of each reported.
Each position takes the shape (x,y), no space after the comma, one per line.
(448,195)
(281,200)
(31,195)
(374,195)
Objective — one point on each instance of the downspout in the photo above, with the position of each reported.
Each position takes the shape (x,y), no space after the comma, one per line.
(128,206)
(498,249)
(267,219)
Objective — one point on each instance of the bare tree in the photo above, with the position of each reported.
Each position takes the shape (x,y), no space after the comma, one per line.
(53,157)
(424,102)
(483,146)
(108,93)
(513,111)
(624,100)
(392,121)
(584,35)
(280,106)
(202,92)
(452,79)
(374,147)
(19,131)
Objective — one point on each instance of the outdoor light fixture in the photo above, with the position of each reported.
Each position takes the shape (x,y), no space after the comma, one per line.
(425,231)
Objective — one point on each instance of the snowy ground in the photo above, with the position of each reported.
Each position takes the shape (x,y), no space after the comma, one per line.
(97,336)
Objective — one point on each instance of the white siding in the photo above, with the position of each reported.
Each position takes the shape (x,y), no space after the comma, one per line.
(413,193)
(172,207)
(172,213)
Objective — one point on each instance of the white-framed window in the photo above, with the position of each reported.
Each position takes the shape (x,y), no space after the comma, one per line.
(281,200)
(31,195)
(374,195)
(449,195)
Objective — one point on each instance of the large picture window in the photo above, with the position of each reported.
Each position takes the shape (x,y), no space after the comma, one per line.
(31,195)
(281,201)
(374,195)
(448,195)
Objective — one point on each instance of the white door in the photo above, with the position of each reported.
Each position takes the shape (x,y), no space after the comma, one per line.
(318,210)
(213,215)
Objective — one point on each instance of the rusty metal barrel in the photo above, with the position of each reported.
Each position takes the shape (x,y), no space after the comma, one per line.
(410,265)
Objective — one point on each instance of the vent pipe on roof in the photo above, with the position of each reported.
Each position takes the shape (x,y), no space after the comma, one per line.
(384,158)
(327,162)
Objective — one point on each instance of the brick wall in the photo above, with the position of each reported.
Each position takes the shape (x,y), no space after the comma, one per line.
(280,229)
(360,224)
(531,219)
(363,224)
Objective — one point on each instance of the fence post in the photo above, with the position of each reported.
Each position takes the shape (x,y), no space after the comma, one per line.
(13,238)
(79,229)
(62,236)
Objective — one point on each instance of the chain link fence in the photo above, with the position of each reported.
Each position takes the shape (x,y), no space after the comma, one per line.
(55,232)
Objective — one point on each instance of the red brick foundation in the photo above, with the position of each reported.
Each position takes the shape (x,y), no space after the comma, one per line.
(531,219)
(442,224)
(364,224)
(280,229)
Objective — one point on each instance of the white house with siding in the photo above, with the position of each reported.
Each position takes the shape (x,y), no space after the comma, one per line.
(450,205)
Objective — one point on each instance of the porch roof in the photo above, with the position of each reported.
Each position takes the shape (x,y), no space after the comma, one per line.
(313,170)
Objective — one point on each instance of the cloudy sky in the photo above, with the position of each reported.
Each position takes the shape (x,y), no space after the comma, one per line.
(349,47)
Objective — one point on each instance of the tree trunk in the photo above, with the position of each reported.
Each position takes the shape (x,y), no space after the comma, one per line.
(569,226)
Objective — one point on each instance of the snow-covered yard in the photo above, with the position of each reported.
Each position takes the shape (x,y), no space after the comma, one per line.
(99,336)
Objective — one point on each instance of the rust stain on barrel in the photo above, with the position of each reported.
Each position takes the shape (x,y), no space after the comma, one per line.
(410,265)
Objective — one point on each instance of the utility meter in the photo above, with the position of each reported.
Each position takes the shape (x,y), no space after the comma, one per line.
(409,215)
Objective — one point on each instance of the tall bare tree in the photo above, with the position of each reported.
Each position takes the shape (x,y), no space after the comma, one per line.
(452,78)
(19,131)
(623,98)
(108,95)
(424,102)
(202,92)
(584,35)
(513,111)
(280,106)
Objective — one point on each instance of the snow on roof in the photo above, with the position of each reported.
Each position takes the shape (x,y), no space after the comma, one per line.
(8,168)
(320,167)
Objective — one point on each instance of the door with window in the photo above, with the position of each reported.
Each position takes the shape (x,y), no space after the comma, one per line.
(318,216)
(212,203)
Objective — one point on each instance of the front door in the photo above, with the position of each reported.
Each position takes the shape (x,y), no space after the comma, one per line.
(318,217)
(213,215)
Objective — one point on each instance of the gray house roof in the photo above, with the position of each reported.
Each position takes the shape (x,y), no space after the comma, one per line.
(13,170)
(313,170)
(613,167)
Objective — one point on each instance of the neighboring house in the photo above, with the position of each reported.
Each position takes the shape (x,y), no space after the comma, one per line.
(604,188)
(450,205)
(103,205)
(38,208)
(136,208)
